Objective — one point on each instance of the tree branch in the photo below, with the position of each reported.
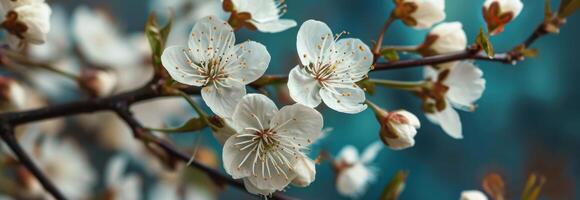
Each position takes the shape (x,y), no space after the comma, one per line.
(470,53)
(7,134)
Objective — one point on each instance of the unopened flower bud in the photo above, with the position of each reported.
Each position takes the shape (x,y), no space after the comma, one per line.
(398,129)
(12,95)
(305,171)
(497,13)
(473,195)
(444,38)
(98,83)
(27,21)
(420,14)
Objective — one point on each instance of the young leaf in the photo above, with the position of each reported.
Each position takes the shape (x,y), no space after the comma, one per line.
(395,187)
(390,54)
(533,187)
(482,40)
(157,36)
(568,7)
(548,10)
(193,124)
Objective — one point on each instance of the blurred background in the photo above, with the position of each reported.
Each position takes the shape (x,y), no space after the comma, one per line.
(528,119)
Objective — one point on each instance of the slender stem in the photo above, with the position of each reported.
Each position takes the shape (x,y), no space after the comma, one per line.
(399,48)
(377,47)
(25,61)
(202,115)
(401,85)
(374,106)
(7,135)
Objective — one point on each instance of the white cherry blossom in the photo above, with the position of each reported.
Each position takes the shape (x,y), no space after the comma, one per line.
(100,40)
(269,142)
(330,69)
(265,14)
(465,85)
(25,21)
(420,14)
(399,129)
(212,61)
(355,173)
(472,195)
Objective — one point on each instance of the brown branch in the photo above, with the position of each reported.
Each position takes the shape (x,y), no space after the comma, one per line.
(7,134)
(509,57)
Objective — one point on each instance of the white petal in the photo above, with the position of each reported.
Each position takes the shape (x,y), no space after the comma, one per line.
(254,111)
(223,100)
(348,154)
(428,12)
(252,62)
(275,26)
(371,152)
(210,37)
(472,195)
(451,37)
(299,121)
(344,99)
(466,85)
(115,169)
(314,37)
(413,120)
(449,120)
(354,55)
(251,188)
(232,157)
(222,134)
(514,6)
(276,182)
(305,170)
(175,61)
(353,181)
(303,88)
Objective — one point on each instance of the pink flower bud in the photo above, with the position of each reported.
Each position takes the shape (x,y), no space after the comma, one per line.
(398,129)
(498,13)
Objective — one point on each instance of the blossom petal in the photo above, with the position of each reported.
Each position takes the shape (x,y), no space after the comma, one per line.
(275,26)
(251,188)
(344,99)
(115,168)
(354,55)
(254,111)
(232,157)
(175,61)
(251,64)
(313,39)
(348,154)
(210,37)
(466,85)
(354,180)
(303,88)
(263,181)
(371,152)
(302,123)
(428,12)
(223,100)
(449,120)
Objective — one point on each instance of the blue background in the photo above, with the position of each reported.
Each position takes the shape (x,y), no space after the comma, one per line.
(527,121)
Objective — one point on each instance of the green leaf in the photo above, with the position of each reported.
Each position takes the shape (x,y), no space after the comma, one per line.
(390,54)
(157,37)
(533,187)
(482,40)
(193,124)
(395,187)
(568,7)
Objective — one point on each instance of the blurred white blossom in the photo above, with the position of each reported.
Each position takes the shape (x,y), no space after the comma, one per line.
(461,88)
(12,95)
(472,195)
(120,186)
(355,173)
(212,61)
(330,69)
(269,142)
(445,38)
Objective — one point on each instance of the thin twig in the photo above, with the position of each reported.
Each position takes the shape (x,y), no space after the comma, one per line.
(7,134)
